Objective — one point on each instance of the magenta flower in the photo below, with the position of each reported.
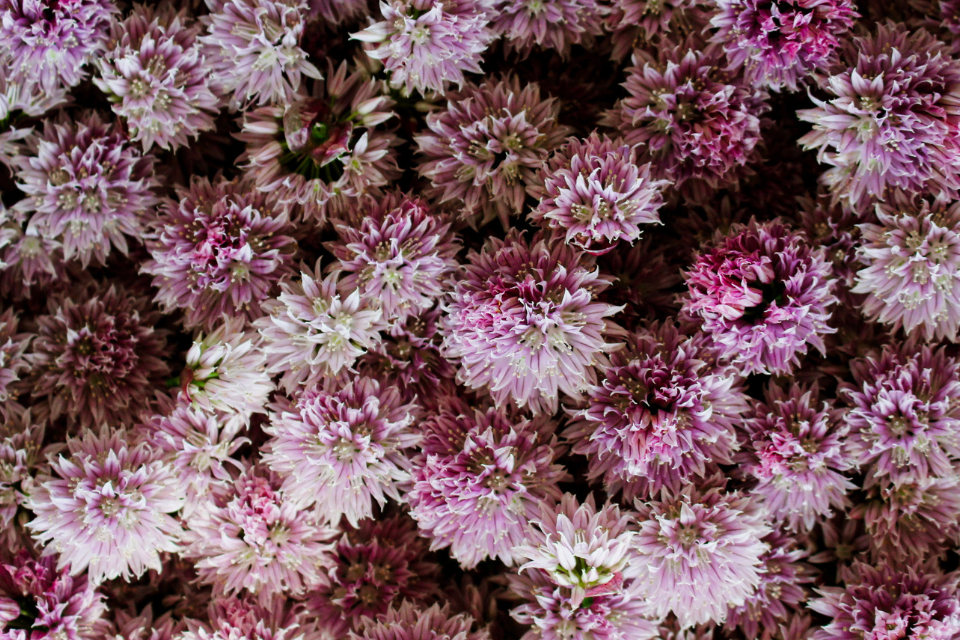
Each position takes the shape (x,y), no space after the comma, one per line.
(400,253)
(909,520)
(311,332)
(322,149)
(106,509)
(13,347)
(911,266)
(156,79)
(779,594)
(660,414)
(780,44)
(763,294)
(595,193)
(408,622)
(218,250)
(40,602)
(548,24)
(891,119)
(379,564)
(51,40)
(904,418)
(97,357)
(198,446)
(553,614)
(256,538)
(794,448)
(702,549)
(580,548)
(637,22)
(254,48)
(343,450)
(479,480)
(484,149)
(694,123)
(524,322)
(427,44)
(86,187)
(884,603)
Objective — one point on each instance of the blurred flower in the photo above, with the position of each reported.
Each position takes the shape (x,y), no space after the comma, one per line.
(635,23)
(549,24)
(106,509)
(408,622)
(97,357)
(13,347)
(21,98)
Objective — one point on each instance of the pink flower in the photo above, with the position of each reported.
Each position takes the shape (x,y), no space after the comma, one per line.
(480,478)
(407,622)
(218,250)
(638,22)
(548,24)
(87,187)
(483,150)
(107,508)
(524,322)
(156,79)
(343,450)
(13,347)
(427,44)
(256,538)
(595,193)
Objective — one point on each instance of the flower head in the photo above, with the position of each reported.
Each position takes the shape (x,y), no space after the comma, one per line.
(780,44)
(255,48)
(480,478)
(22,98)
(549,24)
(525,324)
(887,603)
(911,266)
(695,122)
(376,565)
(905,418)
(22,454)
(408,622)
(427,44)
(45,602)
(87,187)
(581,548)
(794,447)
(891,118)
(13,346)
(660,414)
(638,22)
(596,194)
(218,250)
(312,332)
(107,507)
(256,538)
(400,253)
(97,357)
(226,371)
(484,148)
(763,295)
(343,450)
(156,78)
(51,40)
(701,548)
(322,148)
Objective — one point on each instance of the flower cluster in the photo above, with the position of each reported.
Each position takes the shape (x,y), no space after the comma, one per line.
(480,320)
